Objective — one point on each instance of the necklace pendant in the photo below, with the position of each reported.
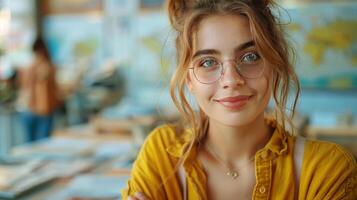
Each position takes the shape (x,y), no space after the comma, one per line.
(233,174)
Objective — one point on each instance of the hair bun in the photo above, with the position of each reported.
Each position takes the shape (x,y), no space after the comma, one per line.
(262,3)
(176,10)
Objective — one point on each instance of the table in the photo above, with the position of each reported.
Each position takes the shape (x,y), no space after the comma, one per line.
(83,140)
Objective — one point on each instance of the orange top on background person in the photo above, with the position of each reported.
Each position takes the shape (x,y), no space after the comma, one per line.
(232,57)
(38,98)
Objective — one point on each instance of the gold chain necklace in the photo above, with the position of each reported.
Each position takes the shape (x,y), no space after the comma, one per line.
(231,172)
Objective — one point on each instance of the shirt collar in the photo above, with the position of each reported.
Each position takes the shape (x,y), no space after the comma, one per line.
(176,149)
(277,143)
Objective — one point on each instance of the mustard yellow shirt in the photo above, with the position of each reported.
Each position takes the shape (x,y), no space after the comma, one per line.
(328,171)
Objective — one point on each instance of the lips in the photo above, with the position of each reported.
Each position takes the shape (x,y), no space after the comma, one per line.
(234,99)
(235,102)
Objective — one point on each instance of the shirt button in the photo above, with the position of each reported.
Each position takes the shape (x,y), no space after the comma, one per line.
(262,189)
(264,155)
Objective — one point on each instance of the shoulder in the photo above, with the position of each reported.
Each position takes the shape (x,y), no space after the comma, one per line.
(329,152)
(153,163)
(163,135)
(329,169)
(160,141)
(163,131)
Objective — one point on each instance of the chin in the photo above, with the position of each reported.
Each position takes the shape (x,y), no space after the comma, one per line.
(235,119)
(236,123)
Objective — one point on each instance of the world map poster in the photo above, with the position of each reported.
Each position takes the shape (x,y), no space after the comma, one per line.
(325,40)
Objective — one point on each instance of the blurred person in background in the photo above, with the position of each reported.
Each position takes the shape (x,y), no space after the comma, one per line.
(38,99)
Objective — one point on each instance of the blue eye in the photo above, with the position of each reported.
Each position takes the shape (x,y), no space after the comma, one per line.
(251,57)
(208,63)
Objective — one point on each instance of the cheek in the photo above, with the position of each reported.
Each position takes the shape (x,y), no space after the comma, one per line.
(202,93)
(267,87)
(262,87)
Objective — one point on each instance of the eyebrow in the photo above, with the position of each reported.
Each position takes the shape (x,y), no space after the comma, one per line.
(213,51)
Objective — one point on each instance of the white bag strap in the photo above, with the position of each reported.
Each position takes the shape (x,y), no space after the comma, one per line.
(298,159)
(182,176)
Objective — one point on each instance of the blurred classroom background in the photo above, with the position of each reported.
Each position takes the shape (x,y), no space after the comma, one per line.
(114,59)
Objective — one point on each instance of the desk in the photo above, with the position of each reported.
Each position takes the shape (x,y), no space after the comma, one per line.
(89,131)
(99,153)
(55,190)
(102,129)
(96,140)
(7,130)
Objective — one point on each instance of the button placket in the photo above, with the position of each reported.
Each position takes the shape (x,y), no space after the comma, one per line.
(263,172)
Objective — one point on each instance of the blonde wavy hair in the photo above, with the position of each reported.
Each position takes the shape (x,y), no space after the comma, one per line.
(268,35)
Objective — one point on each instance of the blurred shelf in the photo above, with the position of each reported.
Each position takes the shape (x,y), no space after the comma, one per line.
(313,131)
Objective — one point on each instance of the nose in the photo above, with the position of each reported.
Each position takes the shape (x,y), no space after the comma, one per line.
(230,76)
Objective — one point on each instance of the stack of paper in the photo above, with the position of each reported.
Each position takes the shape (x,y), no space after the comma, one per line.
(17,179)
(56,148)
(93,186)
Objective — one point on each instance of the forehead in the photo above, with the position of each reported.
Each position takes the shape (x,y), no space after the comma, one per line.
(222,32)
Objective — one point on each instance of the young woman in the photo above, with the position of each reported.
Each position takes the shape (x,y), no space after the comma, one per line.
(233,58)
(38,98)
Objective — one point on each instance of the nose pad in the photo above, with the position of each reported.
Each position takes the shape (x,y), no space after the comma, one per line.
(230,75)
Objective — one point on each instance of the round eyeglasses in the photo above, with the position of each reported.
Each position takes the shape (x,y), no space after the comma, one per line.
(209,69)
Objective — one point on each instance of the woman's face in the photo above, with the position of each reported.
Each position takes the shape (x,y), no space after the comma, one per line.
(231,100)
